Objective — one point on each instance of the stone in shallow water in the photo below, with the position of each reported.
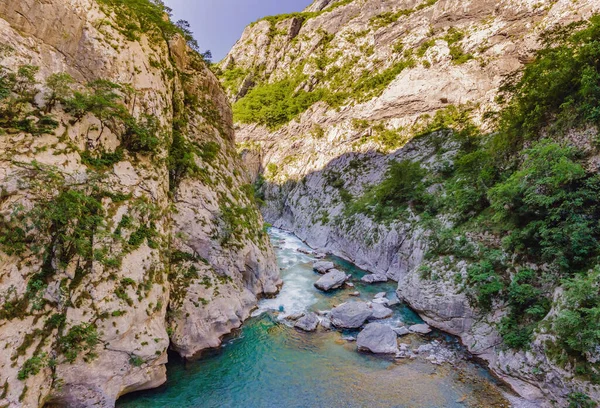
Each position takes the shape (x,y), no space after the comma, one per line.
(308,323)
(326,323)
(323,266)
(393,302)
(420,328)
(331,280)
(350,315)
(294,316)
(374,278)
(380,295)
(377,338)
(355,294)
(380,311)
(401,331)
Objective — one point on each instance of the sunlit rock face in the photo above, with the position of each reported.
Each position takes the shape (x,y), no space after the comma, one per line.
(121,197)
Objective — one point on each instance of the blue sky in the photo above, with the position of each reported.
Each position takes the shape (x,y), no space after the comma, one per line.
(217,24)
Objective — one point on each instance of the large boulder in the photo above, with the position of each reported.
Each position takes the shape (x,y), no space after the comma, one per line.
(351,315)
(380,311)
(331,280)
(401,331)
(308,323)
(377,338)
(420,328)
(323,266)
(374,278)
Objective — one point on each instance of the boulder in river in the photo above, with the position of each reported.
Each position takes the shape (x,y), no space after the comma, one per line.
(377,338)
(380,311)
(420,328)
(331,280)
(308,323)
(294,316)
(351,315)
(326,323)
(374,278)
(323,266)
(401,331)
(380,295)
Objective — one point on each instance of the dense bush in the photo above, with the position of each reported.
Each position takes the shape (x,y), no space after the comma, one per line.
(32,366)
(561,87)
(551,207)
(273,105)
(578,322)
(82,338)
(402,187)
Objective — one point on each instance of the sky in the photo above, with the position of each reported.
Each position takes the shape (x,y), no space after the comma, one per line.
(218,24)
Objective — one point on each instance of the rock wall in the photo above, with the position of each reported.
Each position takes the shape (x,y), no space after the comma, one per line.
(108,252)
(312,163)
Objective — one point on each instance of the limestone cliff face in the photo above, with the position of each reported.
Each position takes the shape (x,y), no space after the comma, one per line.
(376,69)
(127,223)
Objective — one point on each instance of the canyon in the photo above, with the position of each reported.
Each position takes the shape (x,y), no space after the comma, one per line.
(449,146)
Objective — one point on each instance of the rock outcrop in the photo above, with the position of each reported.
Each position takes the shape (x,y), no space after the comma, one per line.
(121,196)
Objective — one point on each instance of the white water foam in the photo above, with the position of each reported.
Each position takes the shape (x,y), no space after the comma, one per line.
(297,293)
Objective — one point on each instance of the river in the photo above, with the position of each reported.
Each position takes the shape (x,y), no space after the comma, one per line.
(267,363)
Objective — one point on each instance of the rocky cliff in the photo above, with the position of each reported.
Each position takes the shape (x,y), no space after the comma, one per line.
(127,223)
(363,124)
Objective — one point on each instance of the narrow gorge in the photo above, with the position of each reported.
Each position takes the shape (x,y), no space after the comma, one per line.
(400,199)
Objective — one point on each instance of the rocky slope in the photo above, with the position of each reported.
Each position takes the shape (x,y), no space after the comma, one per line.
(326,99)
(127,223)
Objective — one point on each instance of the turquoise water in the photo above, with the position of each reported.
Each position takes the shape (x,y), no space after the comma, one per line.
(269,364)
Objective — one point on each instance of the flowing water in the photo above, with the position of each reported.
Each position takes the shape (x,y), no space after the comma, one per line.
(270,364)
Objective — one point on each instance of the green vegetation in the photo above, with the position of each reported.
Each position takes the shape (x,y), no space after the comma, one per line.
(560,90)
(104,99)
(369,86)
(580,400)
(453,37)
(136,17)
(136,361)
(232,78)
(525,184)
(303,16)
(82,338)
(550,206)
(275,104)
(578,325)
(402,187)
(385,19)
(33,366)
